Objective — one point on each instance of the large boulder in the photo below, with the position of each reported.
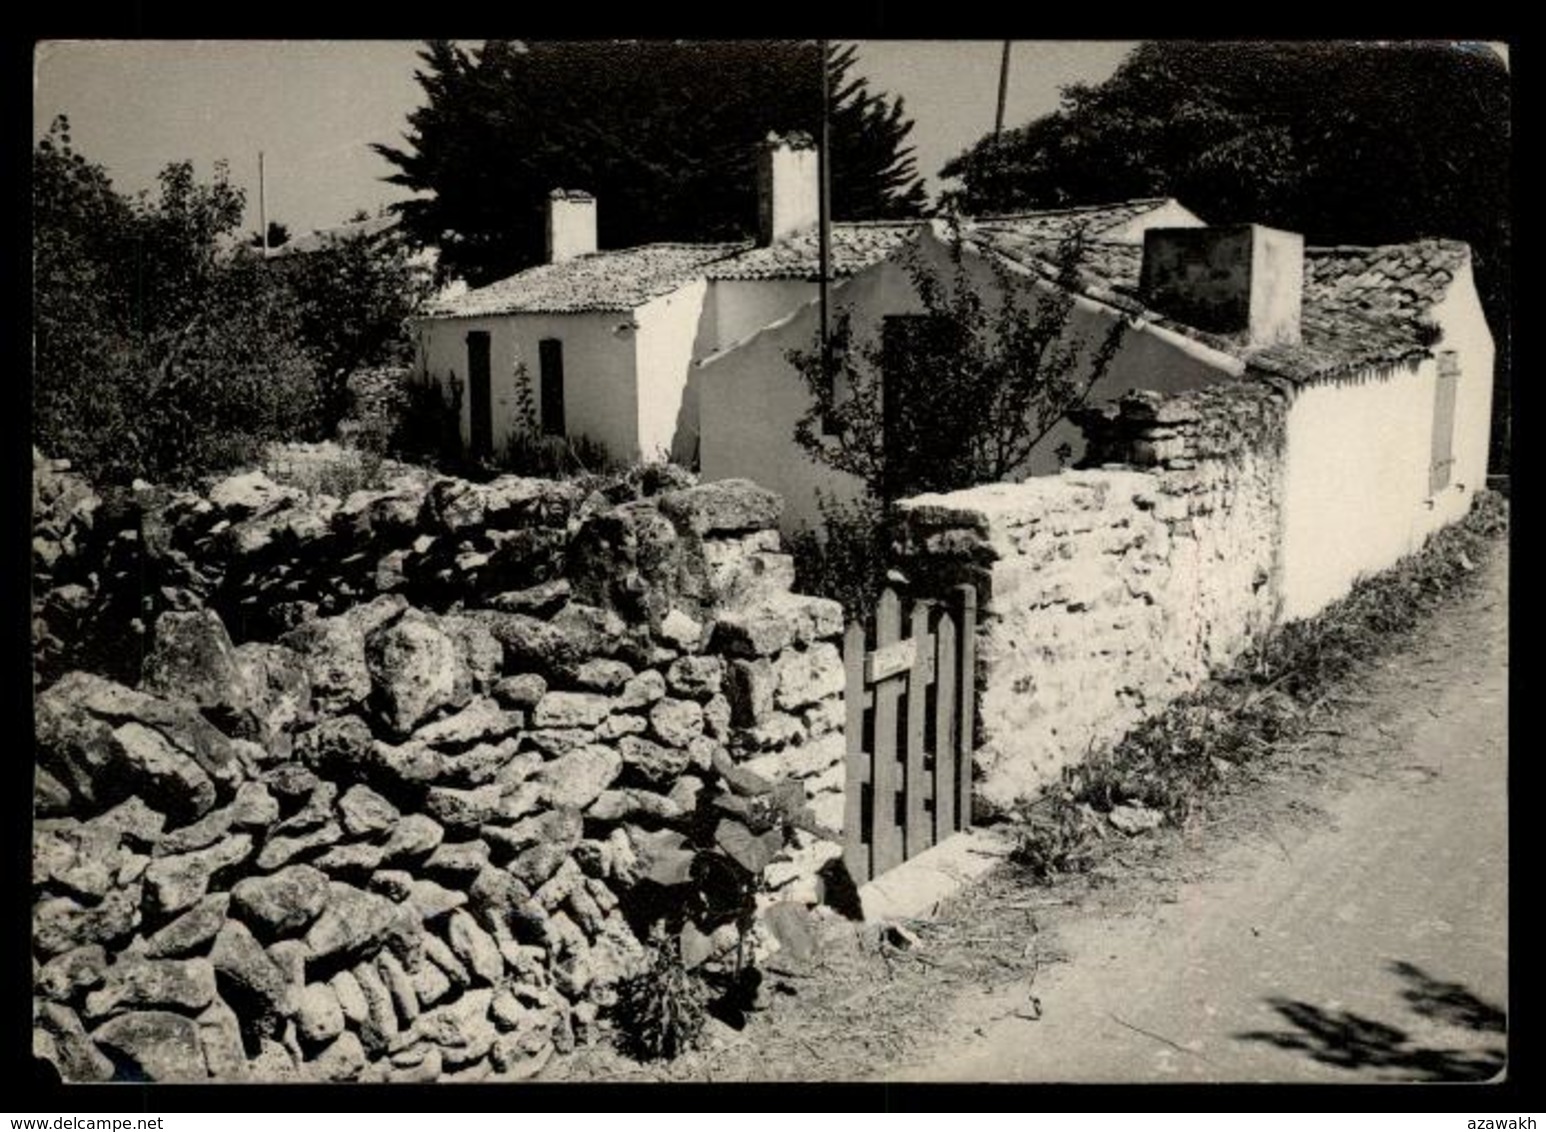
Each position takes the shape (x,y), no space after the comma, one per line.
(808,677)
(771,626)
(571,709)
(191,932)
(67,1045)
(731,506)
(186,985)
(192,658)
(578,777)
(365,813)
(282,903)
(153,1045)
(482,719)
(556,647)
(162,772)
(104,742)
(416,670)
(251,493)
(356,925)
(628,559)
(333,651)
(340,746)
(248,978)
(179,881)
(278,687)
(61,924)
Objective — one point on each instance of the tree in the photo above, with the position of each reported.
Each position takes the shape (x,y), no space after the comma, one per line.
(353,300)
(278,236)
(961,394)
(664,133)
(160,349)
(1345,142)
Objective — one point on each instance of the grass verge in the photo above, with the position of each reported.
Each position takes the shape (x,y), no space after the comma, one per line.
(1275,692)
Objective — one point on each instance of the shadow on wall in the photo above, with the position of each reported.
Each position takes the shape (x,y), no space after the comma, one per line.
(1351,1041)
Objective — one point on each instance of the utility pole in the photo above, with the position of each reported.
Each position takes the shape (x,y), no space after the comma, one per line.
(262,207)
(824,221)
(1003,90)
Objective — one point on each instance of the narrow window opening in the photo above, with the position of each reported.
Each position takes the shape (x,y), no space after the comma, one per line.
(550,361)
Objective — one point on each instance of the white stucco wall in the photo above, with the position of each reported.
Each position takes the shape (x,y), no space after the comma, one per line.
(751,397)
(600,389)
(738,308)
(1356,492)
(667,339)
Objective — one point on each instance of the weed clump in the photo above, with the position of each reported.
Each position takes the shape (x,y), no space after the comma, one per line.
(660,1010)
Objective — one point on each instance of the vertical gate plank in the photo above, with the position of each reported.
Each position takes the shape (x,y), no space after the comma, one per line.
(946,733)
(918,826)
(856,853)
(968,714)
(885,836)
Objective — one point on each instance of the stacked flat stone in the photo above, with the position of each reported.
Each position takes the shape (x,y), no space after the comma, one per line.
(396,844)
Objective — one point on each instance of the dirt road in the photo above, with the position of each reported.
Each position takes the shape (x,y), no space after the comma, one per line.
(1372,946)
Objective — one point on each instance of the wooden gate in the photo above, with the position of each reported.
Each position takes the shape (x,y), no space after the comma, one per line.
(910,705)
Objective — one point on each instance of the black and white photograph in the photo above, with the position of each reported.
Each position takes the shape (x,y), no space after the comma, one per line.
(710,561)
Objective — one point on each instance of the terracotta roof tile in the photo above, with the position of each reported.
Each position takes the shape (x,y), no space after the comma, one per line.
(1362,306)
(856,245)
(1058,223)
(601,281)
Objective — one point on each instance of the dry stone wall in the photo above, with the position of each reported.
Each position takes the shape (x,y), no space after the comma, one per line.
(381,801)
(1107,591)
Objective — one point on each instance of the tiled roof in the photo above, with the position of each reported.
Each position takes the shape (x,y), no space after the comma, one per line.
(601,281)
(325,237)
(1058,223)
(1362,306)
(856,245)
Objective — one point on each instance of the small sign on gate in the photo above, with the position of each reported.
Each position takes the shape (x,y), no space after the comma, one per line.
(900,656)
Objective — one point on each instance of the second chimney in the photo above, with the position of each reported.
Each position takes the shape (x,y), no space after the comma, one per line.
(571,224)
(1239,279)
(788,187)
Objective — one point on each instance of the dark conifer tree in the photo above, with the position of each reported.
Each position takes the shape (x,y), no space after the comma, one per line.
(665,134)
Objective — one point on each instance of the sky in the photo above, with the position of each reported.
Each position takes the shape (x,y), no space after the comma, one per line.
(313,107)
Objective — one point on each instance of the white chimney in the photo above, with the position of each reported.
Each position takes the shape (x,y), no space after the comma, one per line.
(788,187)
(1242,278)
(571,224)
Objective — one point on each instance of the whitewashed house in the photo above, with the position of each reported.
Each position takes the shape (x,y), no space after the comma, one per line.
(610,340)
(681,350)
(1386,348)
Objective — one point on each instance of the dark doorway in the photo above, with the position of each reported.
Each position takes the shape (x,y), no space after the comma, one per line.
(480,397)
(550,360)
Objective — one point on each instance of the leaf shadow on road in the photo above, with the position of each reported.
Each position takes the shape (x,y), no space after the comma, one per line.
(1352,1041)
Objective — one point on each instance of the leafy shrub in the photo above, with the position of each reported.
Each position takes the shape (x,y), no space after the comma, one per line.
(960,394)
(159,352)
(703,877)
(354,298)
(847,560)
(428,422)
